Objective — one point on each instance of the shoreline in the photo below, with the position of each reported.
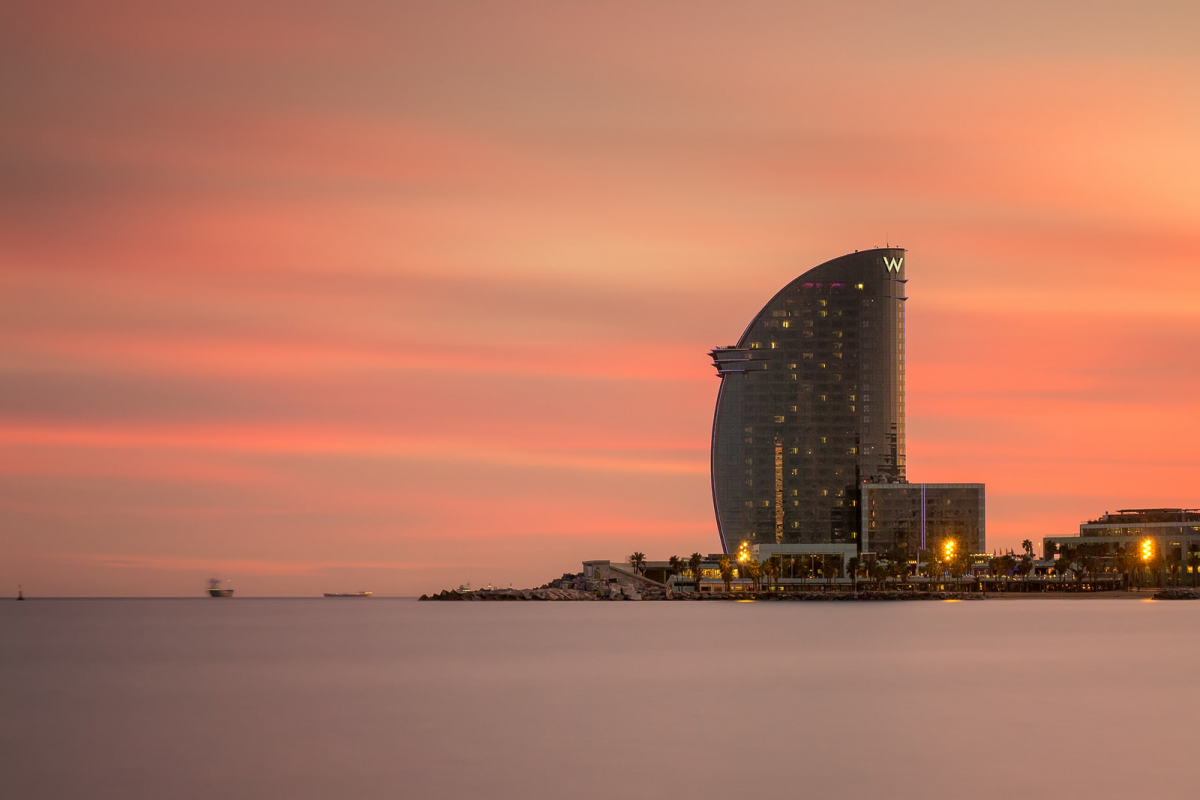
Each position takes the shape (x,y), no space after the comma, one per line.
(546,594)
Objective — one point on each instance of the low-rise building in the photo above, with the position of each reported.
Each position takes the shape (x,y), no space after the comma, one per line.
(1169,534)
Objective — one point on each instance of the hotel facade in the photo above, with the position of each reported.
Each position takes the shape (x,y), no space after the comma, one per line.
(808,442)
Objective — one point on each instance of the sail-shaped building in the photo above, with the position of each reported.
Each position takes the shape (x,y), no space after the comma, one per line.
(810,420)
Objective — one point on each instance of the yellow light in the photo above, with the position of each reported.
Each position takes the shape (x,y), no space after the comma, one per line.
(949,548)
(1147,549)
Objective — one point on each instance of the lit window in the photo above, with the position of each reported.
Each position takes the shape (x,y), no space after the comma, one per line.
(792,408)
(858,285)
(755,345)
(787,324)
(791,366)
(778,418)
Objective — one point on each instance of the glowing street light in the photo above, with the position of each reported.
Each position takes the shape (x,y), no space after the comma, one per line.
(948,549)
(1147,549)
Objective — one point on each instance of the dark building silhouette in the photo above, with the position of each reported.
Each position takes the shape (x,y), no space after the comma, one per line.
(811,409)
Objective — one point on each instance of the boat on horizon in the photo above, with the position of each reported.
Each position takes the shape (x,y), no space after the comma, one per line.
(347,594)
(215,590)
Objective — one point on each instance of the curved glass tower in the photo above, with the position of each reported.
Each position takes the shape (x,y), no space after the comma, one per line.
(811,405)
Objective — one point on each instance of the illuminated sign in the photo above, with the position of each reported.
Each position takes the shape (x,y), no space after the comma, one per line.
(894,264)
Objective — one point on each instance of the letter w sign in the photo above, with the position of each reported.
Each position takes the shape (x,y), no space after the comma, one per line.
(894,264)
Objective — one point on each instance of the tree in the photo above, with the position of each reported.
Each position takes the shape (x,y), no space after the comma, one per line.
(772,569)
(878,572)
(898,567)
(694,565)
(852,569)
(1027,546)
(1065,562)
(636,560)
(1193,562)
(1128,562)
(752,569)
(725,565)
(1174,558)
(676,564)
(1002,567)
(1024,567)
(960,565)
(831,565)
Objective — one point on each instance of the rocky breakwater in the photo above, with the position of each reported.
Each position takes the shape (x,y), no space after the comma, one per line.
(1177,594)
(502,595)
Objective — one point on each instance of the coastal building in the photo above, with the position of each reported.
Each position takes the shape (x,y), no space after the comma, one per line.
(910,517)
(1167,533)
(810,421)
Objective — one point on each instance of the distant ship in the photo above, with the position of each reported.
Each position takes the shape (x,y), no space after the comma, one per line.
(215,590)
(347,594)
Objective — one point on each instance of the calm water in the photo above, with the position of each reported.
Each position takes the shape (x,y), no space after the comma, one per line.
(377,698)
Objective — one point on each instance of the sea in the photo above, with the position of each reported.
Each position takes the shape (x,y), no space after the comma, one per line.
(393,698)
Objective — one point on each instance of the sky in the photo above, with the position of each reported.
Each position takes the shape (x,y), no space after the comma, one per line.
(339,296)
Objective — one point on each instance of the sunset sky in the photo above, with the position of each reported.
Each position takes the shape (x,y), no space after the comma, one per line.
(329,296)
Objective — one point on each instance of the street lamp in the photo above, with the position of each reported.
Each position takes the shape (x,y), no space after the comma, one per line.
(1147,549)
(948,549)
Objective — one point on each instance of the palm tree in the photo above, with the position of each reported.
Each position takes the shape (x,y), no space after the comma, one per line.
(1064,562)
(878,572)
(852,569)
(1024,567)
(726,568)
(830,566)
(752,569)
(960,565)
(773,568)
(1027,546)
(694,562)
(636,560)
(1193,562)
(676,564)
(1174,558)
